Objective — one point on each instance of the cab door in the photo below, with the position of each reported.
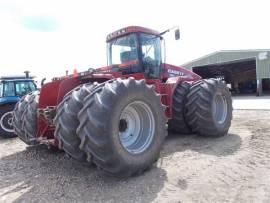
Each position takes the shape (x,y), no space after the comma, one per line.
(151,55)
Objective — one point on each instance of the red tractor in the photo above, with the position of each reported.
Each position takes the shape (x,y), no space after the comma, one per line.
(117,116)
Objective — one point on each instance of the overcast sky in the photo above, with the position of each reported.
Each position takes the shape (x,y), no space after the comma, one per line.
(48,37)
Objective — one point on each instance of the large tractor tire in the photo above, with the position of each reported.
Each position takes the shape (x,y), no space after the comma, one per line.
(209,108)
(178,122)
(25,118)
(6,116)
(122,126)
(66,121)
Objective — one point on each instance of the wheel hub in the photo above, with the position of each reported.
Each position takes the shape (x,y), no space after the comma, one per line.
(220,108)
(6,122)
(136,127)
(123,125)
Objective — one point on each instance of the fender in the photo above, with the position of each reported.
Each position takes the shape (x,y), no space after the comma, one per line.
(9,100)
(171,85)
(66,86)
(50,96)
(49,93)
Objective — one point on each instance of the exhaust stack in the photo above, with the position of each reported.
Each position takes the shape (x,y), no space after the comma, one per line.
(27,73)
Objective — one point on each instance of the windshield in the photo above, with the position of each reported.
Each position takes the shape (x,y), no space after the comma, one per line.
(151,54)
(123,50)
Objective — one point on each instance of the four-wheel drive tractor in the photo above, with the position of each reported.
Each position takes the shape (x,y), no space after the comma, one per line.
(116,116)
(12,88)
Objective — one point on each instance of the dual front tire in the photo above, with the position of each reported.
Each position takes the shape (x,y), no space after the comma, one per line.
(25,118)
(121,126)
(66,121)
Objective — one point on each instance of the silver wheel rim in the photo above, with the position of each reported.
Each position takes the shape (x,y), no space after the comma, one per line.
(220,108)
(136,127)
(8,116)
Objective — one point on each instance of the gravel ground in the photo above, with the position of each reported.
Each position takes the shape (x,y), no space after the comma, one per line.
(234,168)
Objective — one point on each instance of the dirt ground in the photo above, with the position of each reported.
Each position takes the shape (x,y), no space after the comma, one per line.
(234,168)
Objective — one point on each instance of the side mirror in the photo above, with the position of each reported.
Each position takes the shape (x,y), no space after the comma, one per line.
(177,34)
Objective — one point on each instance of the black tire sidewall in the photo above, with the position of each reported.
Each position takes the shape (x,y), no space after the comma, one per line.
(174,124)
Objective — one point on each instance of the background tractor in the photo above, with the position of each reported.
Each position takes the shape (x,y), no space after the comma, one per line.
(117,116)
(12,88)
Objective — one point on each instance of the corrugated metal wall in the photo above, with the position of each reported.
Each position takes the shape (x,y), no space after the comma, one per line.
(263,69)
(262,57)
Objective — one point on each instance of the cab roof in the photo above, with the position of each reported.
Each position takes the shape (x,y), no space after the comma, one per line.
(16,78)
(130,29)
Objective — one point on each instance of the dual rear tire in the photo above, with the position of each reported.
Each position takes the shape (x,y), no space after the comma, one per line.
(209,108)
(178,122)
(204,108)
(25,118)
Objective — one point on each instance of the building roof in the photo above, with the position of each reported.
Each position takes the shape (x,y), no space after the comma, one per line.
(224,56)
(262,57)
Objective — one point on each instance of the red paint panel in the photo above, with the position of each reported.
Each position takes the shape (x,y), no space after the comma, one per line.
(176,71)
(66,86)
(44,129)
(48,97)
(49,93)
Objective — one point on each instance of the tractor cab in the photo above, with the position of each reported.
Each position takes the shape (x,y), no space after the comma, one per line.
(135,50)
(12,89)
(16,86)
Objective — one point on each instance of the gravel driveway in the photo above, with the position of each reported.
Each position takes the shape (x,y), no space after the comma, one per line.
(234,168)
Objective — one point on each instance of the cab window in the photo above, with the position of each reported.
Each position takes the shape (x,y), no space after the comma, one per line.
(24,87)
(151,54)
(123,50)
(1,89)
(9,89)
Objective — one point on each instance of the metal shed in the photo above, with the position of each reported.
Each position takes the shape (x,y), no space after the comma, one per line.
(236,67)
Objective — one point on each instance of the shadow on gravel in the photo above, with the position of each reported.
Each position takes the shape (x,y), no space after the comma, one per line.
(222,146)
(6,139)
(39,175)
